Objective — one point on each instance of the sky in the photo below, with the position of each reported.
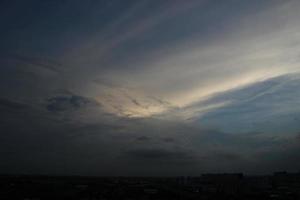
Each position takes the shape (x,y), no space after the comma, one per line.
(149,87)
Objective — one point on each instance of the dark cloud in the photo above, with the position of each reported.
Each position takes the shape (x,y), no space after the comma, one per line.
(136,102)
(168,139)
(298,138)
(182,149)
(267,106)
(163,102)
(285,157)
(143,138)
(66,103)
(158,154)
(33,61)
(106,82)
(97,129)
(227,156)
(12,105)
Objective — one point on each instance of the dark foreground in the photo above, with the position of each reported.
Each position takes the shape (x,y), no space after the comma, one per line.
(208,186)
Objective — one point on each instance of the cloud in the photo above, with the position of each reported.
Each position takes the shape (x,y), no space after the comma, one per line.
(12,105)
(195,66)
(68,103)
(198,86)
(34,61)
(143,138)
(137,24)
(266,106)
(168,139)
(168,147)
(226,156)
(158,154)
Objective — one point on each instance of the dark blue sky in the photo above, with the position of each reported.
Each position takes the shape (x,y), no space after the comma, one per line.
(146,87)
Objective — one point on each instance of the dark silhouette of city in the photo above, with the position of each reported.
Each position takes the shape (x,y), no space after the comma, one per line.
(280,185)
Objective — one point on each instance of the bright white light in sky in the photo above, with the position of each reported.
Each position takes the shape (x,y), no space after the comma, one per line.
(256,47)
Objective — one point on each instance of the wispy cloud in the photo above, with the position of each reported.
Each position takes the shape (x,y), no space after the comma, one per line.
(191,69)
